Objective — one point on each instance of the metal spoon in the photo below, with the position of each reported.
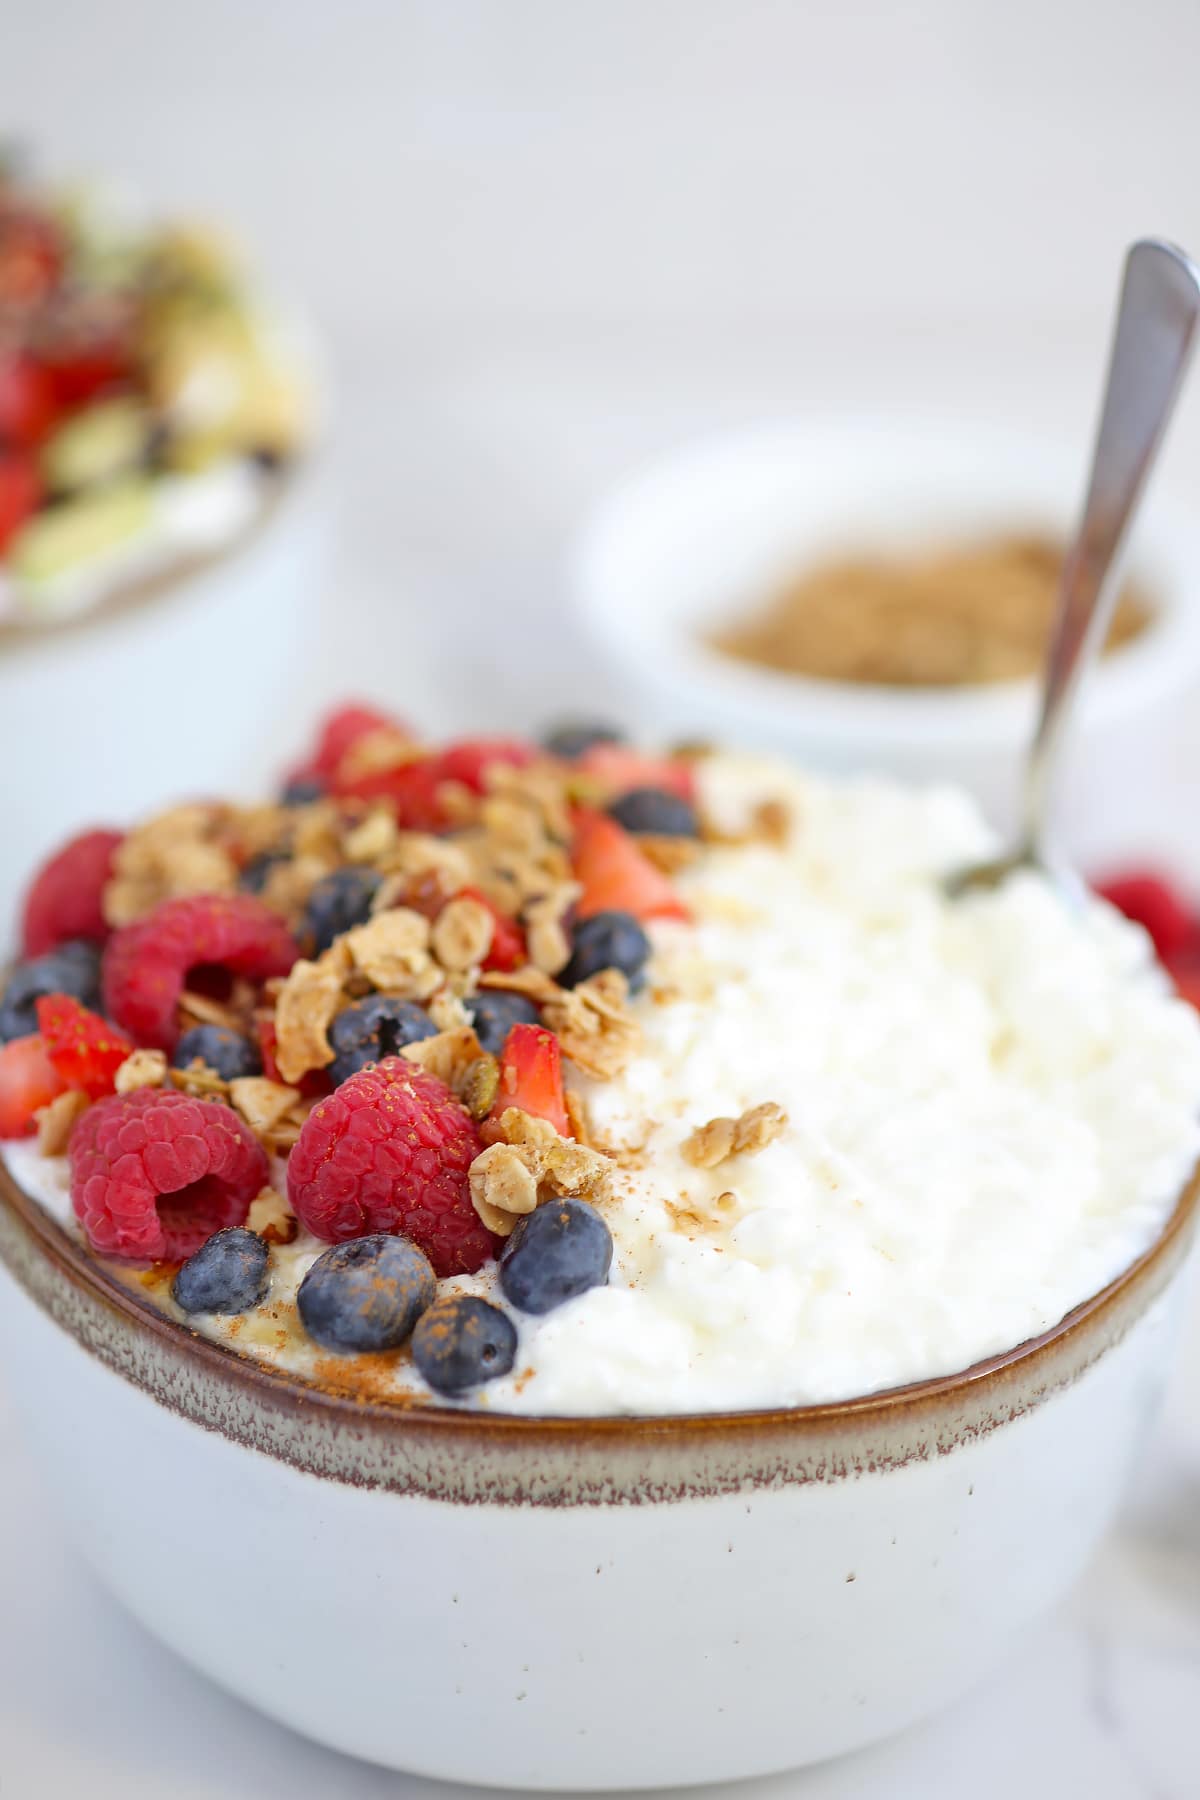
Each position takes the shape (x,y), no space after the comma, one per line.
(1156,321)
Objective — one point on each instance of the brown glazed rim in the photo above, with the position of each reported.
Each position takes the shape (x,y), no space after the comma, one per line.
(1130,1293)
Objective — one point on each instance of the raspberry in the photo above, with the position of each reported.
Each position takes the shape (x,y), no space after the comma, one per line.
(64,899)
(389,1152)
(85,1049)
(146,965)
(155,1173)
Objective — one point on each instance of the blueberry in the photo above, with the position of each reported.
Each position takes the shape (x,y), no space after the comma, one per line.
(252,878)
(654,810)
(461,1342)
(73,968)
(226,1052)
(608,940)
(366,1294)
(493,1013)
(302,790)
(571,739)
(375,1027)
(337,903)
(229,1274)
(555,1253)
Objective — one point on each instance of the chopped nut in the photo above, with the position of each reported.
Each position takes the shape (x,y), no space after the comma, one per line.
(503,1188)
(722,1138)
(577,1113)
(371,840)
(392,951)
(141,1068)
(528,981)
(448,1055)
(670,854)
(272,1218)
(594,1025)
(462,933)
(54,1121)
(262,1103)
(384,748)
(480,1085)
(447,1010)
(417,853)
(545,930)
(174,854)
(551,1166)
(304,1011)
(200,1081)
(199,1009)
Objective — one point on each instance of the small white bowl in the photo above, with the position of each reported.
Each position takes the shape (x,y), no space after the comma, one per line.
(710,530)
(102,717)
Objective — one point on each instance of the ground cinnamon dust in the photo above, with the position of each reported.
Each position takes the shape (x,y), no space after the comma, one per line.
(973,612)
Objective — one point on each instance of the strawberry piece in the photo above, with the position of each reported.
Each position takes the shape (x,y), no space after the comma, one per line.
(507,950)
(28,1080)
(81,373)
(85,1049)
(616,875)
(31,256)
(619,769)
(20,494)
(469,760)
(411,786)
(28,406)
(313,1085)
(1155,905)
(344,728)
(531,1077)
(64,899)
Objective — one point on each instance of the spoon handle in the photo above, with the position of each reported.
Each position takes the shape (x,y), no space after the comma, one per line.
(1156,321)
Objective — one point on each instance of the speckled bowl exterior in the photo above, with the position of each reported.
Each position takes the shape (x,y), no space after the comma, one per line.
(575,1602)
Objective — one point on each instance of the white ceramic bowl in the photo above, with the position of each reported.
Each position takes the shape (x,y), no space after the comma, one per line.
(575,1603)
(99,718)
(712,528)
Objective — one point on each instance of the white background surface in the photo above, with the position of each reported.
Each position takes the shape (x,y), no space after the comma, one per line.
(545,239)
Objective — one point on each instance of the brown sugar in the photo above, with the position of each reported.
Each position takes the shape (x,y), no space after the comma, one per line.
(976,612)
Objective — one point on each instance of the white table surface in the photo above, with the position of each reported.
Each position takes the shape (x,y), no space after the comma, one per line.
(571,236)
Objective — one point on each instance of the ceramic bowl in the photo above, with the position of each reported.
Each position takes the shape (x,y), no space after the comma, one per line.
(712,529)
(565,1603)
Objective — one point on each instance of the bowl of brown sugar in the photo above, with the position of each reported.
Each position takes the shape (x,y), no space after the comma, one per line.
(878,593)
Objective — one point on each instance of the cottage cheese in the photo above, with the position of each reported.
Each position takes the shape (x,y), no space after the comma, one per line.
(992,1105)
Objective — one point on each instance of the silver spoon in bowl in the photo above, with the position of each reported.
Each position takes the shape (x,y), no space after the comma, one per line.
(1156,321)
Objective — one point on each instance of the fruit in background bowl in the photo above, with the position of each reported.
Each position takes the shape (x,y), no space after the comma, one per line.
(149,400)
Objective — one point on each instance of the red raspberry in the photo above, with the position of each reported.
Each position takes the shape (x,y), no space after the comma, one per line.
(154,1173)
(146,965)
(85,1049)
(389,1151)
(1156,906)
(64,899)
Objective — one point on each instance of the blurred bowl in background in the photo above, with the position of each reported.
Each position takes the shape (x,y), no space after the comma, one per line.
(711,532)
(185,687)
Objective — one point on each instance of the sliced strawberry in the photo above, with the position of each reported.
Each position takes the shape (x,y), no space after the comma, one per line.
(31,255)
(343,728)
(615,874)
(1154,904)
(28,1080)
(27,404)
(507,950)
(618,769)
(469,760)
(531,1077)
(81,373)
(411,786)
(85,1049)
(20,493)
